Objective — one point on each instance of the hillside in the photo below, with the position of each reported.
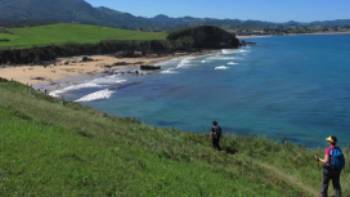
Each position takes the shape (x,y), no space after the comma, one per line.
(55,148)
(204,37)
(40,45)
(70,33)
(34,12)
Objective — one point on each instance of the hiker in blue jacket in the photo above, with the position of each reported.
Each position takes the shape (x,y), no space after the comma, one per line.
(333,163)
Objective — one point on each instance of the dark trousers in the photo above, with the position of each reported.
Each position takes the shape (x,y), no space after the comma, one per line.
(216,143)
(334,176)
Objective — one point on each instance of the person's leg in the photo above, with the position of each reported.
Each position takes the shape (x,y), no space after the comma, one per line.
(336,183)
(325,182)
(214,141)
(218,144)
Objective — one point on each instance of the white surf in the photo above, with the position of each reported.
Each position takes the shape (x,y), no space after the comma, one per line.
(99,95)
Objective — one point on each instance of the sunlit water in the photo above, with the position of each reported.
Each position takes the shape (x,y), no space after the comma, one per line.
(295,87)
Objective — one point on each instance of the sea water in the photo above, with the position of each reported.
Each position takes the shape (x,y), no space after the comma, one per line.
(291,87)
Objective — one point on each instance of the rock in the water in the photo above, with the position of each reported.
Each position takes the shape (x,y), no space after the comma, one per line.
(150,67)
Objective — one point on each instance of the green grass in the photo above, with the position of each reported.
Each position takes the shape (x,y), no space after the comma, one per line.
(50,147)
(26,37)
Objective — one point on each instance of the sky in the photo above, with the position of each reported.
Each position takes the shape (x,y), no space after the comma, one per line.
(267,10)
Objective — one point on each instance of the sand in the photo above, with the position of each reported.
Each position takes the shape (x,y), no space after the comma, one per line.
(70,67)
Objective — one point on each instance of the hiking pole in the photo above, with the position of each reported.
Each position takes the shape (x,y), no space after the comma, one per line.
(318,161)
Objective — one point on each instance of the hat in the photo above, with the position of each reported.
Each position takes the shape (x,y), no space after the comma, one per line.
(332,139)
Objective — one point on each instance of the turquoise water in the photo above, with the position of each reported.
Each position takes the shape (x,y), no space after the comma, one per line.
(295,87)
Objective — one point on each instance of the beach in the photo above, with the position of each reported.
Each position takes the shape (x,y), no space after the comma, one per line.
(74,66)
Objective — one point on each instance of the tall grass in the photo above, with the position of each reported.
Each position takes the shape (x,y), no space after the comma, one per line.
(50,147)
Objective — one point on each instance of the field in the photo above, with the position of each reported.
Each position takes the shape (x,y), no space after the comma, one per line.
(26,37)
(51,147)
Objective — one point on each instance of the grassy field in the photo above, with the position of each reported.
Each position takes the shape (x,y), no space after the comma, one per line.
(50,147)
(26,37)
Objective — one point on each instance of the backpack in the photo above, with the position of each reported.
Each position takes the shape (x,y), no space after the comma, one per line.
(337,160)
(216,131)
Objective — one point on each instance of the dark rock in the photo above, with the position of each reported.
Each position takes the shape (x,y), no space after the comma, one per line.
(129,53)
(138,54)
(120,54)
(3,80)
(150,67)
(39,78)
(86,59)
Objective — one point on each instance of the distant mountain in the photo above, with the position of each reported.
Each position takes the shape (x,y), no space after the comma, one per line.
(33,12)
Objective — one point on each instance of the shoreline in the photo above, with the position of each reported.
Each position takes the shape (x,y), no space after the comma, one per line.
(75,69)
(62,68)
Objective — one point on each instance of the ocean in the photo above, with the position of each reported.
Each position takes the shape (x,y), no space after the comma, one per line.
(286,87)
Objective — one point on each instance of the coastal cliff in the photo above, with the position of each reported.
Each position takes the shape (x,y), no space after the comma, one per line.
(188,40)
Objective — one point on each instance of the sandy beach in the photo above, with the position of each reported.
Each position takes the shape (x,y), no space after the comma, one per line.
(74,66)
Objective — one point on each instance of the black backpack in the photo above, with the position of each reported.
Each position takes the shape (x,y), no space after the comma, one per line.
(216,130)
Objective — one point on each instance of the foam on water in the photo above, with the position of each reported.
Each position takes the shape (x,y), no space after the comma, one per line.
(243,51)
(57,93)
(185,62)
(222,67)
(228,51)
(99,95)
(232,63)
(109,80)
(169,62)
(172,66)
(95,83)
(221,57)
(169,71)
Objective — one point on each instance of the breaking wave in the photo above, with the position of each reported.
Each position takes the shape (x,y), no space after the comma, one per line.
(228,51)
(220,57)
(232,63)
(185,62)
(168,71)
(99,95)
(96,83)
(57,93)
(221,67)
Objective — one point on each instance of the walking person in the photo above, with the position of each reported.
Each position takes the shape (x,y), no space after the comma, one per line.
(215,135)
(333,162)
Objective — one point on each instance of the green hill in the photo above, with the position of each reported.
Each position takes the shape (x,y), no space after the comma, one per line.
(50,147)
(25,37)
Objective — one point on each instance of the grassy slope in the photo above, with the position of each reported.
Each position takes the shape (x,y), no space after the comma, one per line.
(53,148)
(68,33)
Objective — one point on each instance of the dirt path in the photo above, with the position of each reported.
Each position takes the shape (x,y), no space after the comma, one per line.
(292,180)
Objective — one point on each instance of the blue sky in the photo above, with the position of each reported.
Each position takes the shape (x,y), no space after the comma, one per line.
(269,10)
